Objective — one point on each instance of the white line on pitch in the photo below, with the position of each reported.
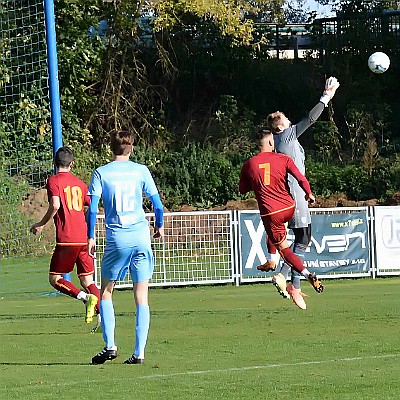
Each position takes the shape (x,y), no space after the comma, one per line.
(254,367)
(204,372)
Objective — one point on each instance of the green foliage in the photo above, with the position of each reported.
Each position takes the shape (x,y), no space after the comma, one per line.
(234,131)
(25,144)
(196,72)
(353,179)
(226,16)
(81,58)
(327,140)
(12,220)
(25,135)
(197,174)
(366,121)
(87,160)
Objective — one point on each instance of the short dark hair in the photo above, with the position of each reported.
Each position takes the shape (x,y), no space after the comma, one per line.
(121,142)
(64,157)
(262,133)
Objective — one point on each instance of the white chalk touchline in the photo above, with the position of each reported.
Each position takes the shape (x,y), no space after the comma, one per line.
(201,372)
(254,367)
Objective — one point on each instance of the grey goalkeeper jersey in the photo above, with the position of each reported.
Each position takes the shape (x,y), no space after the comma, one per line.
(286,142)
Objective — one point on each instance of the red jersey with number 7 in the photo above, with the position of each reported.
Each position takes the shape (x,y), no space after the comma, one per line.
(71,228)
(266,174)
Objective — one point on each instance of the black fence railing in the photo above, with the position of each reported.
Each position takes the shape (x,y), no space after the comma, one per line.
(334,35)
(342,34)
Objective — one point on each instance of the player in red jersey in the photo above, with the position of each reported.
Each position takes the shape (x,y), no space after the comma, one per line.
(266,174)
(67,196)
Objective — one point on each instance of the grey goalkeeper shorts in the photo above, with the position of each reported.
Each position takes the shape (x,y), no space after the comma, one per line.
(301,217)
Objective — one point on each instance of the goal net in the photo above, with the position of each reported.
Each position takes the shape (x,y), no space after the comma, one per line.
(25,145)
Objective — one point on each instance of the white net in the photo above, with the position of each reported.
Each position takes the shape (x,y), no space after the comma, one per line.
(25,138)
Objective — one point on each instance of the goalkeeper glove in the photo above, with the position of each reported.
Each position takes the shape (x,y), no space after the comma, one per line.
(331,86)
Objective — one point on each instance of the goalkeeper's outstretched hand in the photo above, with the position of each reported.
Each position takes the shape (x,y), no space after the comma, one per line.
(331,86)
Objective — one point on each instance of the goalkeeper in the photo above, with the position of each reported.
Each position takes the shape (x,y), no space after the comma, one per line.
(286,141)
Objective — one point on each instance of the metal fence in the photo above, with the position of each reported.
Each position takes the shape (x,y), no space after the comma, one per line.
(197,249)
(357,33)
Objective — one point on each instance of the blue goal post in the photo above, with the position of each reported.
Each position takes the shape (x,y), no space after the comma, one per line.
(54,87)
(30,134)
(52,64)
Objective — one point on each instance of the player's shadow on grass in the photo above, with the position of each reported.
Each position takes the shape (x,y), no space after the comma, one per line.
(37,334)
(14,317)
(43,363)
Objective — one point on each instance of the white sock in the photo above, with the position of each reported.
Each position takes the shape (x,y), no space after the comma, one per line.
(305,272)
(276,257)
(83,296)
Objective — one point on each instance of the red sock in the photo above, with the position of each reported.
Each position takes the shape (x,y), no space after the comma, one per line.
(94,290)
(67,288)
(292,260)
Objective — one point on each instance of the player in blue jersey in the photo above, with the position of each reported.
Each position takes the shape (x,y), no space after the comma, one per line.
(120,184)
(286,141)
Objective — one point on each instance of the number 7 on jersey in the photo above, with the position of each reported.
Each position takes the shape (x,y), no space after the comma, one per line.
(267,173)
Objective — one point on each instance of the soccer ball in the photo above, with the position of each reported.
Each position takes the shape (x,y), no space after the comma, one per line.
(378,62)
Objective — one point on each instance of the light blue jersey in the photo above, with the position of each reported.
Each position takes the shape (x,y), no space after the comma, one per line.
(121,184)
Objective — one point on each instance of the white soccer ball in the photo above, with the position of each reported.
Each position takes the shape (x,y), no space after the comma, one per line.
(378,62)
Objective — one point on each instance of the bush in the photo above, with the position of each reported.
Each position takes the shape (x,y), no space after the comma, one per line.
(354,179)
(12,191)
(197,174)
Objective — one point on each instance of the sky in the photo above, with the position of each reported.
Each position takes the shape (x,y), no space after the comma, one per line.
(322,11)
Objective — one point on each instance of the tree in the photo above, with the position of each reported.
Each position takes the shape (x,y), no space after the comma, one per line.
(297,12)
(145,41)
(355,6)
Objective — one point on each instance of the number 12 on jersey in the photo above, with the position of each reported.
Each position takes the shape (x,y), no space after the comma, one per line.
(124,197)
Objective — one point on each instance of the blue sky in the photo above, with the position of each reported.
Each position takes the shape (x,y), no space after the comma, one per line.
(321,10)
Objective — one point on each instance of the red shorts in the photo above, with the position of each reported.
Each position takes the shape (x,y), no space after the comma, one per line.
(274,225)
(65,257)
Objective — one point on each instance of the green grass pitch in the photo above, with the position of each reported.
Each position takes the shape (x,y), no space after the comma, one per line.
(218,342)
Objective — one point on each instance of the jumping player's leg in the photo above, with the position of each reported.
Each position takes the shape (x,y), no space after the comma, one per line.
(302,238)
(275,227)
(272,257)
(295,262)
(300,224)
(291,259)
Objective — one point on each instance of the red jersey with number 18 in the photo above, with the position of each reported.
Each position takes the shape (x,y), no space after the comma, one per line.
(71,228)
(266,174)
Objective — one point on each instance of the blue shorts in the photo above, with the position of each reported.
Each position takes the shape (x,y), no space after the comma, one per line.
(128,250)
